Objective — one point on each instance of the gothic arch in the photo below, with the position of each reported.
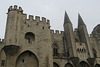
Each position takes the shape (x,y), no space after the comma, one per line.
(27,59)
(97,65)
(30,37)
(68,65)
(55,64)
(83,64)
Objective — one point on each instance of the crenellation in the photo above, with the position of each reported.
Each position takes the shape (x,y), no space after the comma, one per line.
(37,18)
(20,9)
(15,7)
(52,31)
(48,21)
(57,31)
(11,8)
(31,17)
(43,19)
(62,32)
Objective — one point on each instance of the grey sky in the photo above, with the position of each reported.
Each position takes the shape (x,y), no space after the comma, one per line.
(54,11)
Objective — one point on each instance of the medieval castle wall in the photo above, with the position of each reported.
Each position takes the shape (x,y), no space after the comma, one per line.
(29,42)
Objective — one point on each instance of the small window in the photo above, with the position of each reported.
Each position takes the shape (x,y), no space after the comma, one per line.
(23,61)
(3,63)
(30,37)
(43,28)
(55,49)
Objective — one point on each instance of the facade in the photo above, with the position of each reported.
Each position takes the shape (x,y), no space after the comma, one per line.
(31,43)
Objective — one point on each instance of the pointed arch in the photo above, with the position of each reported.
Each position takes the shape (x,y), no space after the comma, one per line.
(97,65)
(28,59)
(68,65)
(83,64)
(55,64)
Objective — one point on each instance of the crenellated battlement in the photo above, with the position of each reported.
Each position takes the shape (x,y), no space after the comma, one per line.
(14,8)
(1,40)
(57,32)
(37,19)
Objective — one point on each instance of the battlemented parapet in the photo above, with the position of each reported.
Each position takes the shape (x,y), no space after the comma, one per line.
(37,19)
(11,8)
(57,32)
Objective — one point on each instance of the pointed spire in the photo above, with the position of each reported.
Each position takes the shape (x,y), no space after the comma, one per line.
(66,19)
(80,20)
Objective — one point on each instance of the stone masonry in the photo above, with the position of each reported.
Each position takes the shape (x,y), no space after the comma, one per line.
(31,43)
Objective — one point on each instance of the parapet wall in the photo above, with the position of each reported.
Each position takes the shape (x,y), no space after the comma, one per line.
(11,8)
(57,32)
(37,19)
(29,18)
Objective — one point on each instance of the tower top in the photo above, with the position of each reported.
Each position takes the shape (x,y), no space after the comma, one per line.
(66,19)
(80,20)
(11,8)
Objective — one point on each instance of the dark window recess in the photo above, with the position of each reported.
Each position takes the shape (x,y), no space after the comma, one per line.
(43,28)
(55,51)
(23,61)
(28,25)
(3,63)
(30,37)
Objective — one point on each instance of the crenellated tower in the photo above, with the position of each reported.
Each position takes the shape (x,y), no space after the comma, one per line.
(13,24)
(83,35)
(69,37)
(30,35)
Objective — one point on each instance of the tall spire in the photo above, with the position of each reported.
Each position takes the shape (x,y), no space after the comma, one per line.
(66,19)
(80,20)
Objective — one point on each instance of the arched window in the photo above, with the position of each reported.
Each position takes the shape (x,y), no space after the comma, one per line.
(55,49)
(68,65)
(94,53)
(30,37)
(55,64)
(83,64)
(97,65)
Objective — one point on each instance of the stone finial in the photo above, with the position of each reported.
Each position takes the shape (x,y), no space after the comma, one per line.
(66,19)
(80,20)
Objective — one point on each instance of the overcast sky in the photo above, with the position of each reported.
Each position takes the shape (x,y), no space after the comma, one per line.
(54,10)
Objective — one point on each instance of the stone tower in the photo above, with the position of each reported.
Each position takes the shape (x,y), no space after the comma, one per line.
(69,36)
(26,39)
(83,35)
(29,42)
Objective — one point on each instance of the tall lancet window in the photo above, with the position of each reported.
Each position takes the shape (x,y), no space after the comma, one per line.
(55,49)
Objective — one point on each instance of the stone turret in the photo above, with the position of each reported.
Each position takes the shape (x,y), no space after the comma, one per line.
(69,37)
(83,34)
